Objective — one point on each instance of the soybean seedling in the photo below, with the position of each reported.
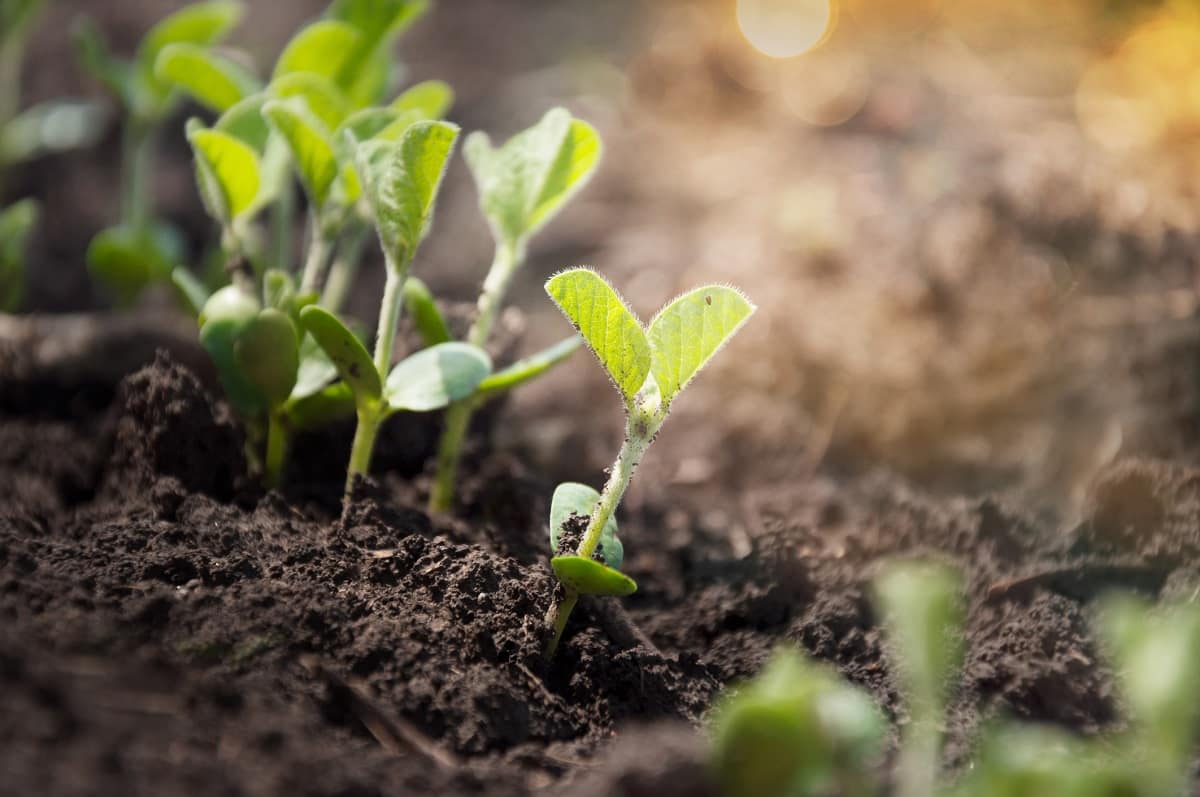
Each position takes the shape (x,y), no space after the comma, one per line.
(16,223)
(797,730)
(923,617)
(650,366)
(140,249)
(522,185)
(401,181)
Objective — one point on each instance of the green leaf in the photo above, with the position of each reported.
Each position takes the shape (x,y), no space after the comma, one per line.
(227,171)
(402,181)
(308,140)
(126,260)
(245,122)
(589,577)
(325,100)
(316,369)
(51,127)
(524,183)
(572,498)
(279,289)
(367,71)
(426,316)
(431,99)
(199,23)
(323,48)
(434,377)
(267,353)
(379,18)
(16,225)
(686,334)
(528,368)
(226,314)
(190,289)
(353,363)
(213,80)
(327,406)
(606,323)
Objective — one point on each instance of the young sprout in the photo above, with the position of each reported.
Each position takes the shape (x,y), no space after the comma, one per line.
(401,181)
(522,186)
(924,618)
(797,730)
(141,249)
(650,367)
(16,224)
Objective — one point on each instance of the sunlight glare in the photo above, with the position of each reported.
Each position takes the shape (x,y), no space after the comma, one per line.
(785,28)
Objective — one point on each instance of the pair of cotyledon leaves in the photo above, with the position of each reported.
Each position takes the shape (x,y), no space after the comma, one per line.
(680,340)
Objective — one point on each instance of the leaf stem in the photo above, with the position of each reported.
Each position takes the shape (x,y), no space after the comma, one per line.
(283,211)
(507,260)
(389,319)
(457,421)
(277,445)
(556,619)
(137,151)
(369,420)
(319,248)
(344,268)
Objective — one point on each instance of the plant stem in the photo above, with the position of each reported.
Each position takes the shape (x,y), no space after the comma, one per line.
(918,764)
(277,444)
(389,319)
(136,154)
(369,420)
(283,211)
(458,417)
(319,248)
(344,268)
(557,618)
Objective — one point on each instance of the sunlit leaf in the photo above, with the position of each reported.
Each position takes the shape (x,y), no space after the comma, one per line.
(382,18)
(423,310)
(367,70)
(528,368)
(589,577)
(211,79)
(434,377)
(324,99)
(199,23)
(323,48)
(311,148)
(606,323)
(267,353)
(431,99)
(526,181)
(227,171)
(402,181)
(572,498)
(245,121)
(686,334)
(353,363)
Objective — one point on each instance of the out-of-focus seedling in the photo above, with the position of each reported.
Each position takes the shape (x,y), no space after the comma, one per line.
(797,730)
(57,125)
(923,615)
(16,223)
(522,185)
(650,367)
(142,249)
(402,179)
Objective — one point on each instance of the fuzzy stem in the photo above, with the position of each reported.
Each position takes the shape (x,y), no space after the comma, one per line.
(389,319)
(918,763)
(505,263)
(277,445)
(458,420)
(369,420)
(319,248)
(137,150)
(344,269)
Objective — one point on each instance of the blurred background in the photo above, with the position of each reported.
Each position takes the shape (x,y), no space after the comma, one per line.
(969,224)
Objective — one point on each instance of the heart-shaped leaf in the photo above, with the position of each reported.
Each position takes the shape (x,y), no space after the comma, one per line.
(574,499)
(402,181)
(227,171)
(606,323)
(435,377)
(213,80)
(353,363)
(589,577)
(426,316)
(199,23)
(527,180)
(528,368)
(686,334)
(267,354)
(308,140)
(431,99)
(323,48)
(126,260)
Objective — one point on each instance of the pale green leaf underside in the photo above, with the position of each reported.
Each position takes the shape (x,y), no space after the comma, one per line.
(578,156)
(589,577)
(402,181)
(353,363)
(686,334)
(434,377)
(609,327)
(228,172)
(211,79)
(307,139)
(315,372)
(573,498)
(529,368)
(322,48)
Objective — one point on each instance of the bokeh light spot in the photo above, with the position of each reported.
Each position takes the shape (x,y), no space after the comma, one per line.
(785,28)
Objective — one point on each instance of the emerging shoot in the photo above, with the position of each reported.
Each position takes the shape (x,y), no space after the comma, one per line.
(650,366)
